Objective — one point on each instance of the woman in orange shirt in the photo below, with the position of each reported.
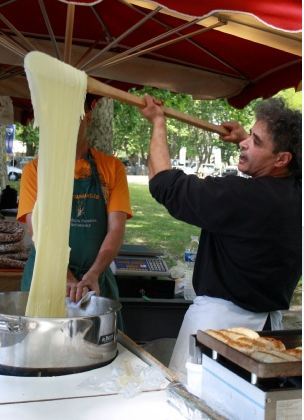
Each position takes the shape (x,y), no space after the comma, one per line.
(100,208)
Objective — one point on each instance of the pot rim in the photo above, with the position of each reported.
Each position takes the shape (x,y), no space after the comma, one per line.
(115,307)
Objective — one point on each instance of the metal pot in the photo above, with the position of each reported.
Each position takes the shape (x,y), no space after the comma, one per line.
(55,346)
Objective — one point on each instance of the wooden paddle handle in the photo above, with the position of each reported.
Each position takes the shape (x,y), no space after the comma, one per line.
(99,88)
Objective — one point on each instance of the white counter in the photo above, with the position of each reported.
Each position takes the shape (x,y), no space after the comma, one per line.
(145,406)
(94,394)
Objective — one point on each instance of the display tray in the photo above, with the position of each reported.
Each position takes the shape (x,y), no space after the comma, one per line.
(291,338)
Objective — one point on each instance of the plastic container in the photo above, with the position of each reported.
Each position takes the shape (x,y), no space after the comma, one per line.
(194,378)
(191,252)
(189,258)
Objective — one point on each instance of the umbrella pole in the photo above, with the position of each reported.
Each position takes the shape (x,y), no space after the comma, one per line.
(99,88)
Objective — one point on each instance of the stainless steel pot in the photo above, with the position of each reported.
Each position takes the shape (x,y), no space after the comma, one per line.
(43,346)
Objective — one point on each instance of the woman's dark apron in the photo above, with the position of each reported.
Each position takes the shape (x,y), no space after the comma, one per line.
(87,232)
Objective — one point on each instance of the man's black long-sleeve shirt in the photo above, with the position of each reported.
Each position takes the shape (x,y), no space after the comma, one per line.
(250,245)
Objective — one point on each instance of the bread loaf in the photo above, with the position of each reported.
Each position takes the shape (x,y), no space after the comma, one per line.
(263,349)
(297,352)
(243,344)
(266,357)
(271,343)
(273,356)
(244,331)
(218,335)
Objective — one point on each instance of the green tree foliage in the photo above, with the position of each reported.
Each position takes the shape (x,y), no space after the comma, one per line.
(132,132)
(294,100)
(29,136)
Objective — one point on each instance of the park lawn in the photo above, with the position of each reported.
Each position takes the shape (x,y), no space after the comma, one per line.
(152,225)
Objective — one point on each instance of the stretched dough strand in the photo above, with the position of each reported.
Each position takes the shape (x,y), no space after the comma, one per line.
(58,92)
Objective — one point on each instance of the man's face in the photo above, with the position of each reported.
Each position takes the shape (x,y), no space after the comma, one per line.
(256,155)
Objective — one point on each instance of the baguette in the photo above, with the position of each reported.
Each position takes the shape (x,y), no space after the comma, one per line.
(266,357)
(273,356)
(263,349)
(296,352)
(242,344)
(270,343)
(218,334)
(245,331)
(248,345)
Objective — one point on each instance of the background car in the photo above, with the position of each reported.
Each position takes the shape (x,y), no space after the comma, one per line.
(206,169)
(13,173)
(230,170)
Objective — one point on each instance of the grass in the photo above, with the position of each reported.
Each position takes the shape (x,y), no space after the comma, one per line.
(152,225)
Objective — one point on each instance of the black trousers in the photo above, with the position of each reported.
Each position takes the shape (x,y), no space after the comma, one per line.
(267,326)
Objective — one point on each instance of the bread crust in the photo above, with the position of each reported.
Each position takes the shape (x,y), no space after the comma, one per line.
(245,331)
(263,349)
(296,352)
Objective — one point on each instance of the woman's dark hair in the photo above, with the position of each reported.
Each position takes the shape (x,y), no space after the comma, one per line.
(285,126)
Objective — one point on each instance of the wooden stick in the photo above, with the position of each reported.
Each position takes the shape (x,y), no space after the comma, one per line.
(129,344)
(99,88)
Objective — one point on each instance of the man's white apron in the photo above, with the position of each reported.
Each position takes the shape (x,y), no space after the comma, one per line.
(213,313)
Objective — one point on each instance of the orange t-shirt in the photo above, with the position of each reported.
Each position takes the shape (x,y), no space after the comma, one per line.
(113,182)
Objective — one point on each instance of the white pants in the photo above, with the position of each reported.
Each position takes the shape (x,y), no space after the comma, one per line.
(213,313)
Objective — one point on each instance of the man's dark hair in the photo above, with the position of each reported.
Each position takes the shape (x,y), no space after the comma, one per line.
(285,126)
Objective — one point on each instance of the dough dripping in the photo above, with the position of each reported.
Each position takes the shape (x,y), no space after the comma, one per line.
(58,92)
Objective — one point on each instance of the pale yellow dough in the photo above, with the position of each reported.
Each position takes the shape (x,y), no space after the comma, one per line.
(58,92)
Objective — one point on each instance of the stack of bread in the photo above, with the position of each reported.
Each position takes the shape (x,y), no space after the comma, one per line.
(13,253)
(263,349)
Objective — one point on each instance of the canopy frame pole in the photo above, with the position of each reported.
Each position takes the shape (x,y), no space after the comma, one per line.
(27,45)
(49,28)
(11,71)
(173,31)
(194,43)
(123,56)
(11,45)
(120,37)
(79,63)
(69,33)
(274,70)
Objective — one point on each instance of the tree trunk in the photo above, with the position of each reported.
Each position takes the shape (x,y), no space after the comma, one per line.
(100,133)
(3,170)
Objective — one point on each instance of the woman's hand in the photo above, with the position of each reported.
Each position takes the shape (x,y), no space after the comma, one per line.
(76,289)
(88,282)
